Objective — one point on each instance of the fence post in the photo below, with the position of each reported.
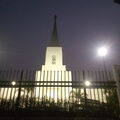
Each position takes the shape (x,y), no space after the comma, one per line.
(116,75)
(19,92)
(85,95)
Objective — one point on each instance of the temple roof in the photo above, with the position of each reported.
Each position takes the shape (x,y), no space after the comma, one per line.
(54,38)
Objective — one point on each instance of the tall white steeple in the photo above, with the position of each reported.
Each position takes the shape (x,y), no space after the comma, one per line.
(53,71)
(54,54)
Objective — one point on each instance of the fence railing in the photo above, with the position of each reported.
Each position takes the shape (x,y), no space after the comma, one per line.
(23,90)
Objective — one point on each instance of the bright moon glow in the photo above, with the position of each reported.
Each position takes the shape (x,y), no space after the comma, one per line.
(102,51)
(87,83)
(13,83)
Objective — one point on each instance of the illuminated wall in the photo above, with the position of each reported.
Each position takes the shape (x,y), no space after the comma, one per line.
(55,72)
(55,87)
(57,93)
(54,59)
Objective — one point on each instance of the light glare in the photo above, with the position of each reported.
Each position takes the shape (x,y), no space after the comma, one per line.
(102,51)
(87,83)
(13,83)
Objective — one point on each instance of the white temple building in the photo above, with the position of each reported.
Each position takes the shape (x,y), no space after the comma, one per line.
(53,71)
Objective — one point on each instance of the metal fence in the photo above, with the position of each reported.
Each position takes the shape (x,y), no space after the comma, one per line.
(21,90)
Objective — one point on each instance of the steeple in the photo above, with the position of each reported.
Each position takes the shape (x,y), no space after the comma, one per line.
(54,38)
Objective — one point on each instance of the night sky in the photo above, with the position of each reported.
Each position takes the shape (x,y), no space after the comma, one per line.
(83,26)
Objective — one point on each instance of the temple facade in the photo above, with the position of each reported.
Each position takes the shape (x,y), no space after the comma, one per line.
(53,75)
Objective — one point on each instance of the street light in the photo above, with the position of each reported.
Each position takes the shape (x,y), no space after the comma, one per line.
(102,52)
(87,83)
(13,83)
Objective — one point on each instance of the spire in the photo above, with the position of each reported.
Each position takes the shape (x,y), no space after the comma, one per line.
(54,39)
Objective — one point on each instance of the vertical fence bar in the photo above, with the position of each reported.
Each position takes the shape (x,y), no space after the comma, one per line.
(47,85)
(97,76)
(19,92)
(14,95)
(68,91)
(53,86)
(11,88)
(85,97)
(40,88)
(57,86)
(101,87)
(43,85)
(26,88)
(61,86)
(8,89)
(65,88)
(50,84)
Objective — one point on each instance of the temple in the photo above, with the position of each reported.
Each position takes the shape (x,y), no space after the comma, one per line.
(53,72)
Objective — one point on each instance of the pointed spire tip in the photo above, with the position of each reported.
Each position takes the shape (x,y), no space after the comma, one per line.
(55,17)
(54,39)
